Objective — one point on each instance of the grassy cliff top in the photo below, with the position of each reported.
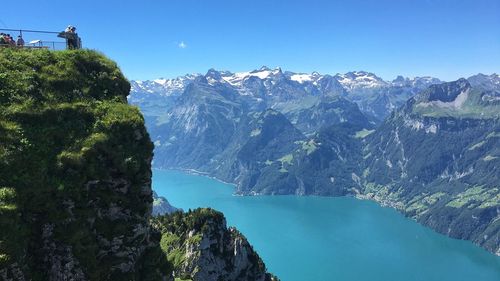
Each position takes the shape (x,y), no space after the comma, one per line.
(42,76)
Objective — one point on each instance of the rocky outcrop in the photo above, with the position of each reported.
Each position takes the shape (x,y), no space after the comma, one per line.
(75,172)
(201,247)
(75,175)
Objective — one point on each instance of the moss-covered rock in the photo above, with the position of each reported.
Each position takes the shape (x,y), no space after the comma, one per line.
(201,248)
(75,176)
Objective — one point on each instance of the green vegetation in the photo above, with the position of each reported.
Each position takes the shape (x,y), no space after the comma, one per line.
(28,78)
(471,108)
(71,149)
(309,146)
(286,159)
(478,194)
(181,241)
(432,199)
(75,176)
(421,203)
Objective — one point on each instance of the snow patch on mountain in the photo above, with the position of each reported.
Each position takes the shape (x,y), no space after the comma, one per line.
(373,95)
(350,81)
(237,79)
(162,86)
(360,79)
(301,78)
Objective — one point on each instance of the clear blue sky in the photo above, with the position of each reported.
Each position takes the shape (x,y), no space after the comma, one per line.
(150,39)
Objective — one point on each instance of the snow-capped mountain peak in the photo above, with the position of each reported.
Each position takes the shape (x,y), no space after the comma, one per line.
(247,83)
(301,78)
(373,94)
(360,79)
(162,86)
(236,79)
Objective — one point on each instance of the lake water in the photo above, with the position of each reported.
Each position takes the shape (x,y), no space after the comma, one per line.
(340,239)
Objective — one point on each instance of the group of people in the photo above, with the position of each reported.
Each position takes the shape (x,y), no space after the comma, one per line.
(7,40)
(72,40)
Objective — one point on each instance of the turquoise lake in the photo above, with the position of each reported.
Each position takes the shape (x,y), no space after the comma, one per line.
(340,239)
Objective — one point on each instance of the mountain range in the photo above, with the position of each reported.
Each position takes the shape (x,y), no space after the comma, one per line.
(375,96)
(425,147)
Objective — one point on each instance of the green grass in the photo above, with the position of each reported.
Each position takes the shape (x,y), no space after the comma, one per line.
(432,199)
(177,257)
(488,197)
(195,239)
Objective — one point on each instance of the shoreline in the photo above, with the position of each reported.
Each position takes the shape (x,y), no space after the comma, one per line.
(362,197)
(197,173)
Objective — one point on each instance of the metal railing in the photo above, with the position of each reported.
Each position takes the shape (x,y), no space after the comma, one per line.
(35,39)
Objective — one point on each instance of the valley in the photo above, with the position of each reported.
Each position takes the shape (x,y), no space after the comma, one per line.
(332,238)
(272,132)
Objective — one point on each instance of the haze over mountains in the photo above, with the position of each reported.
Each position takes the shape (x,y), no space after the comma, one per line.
(428,148)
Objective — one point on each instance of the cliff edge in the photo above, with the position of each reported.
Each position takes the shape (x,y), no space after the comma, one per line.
(75,172)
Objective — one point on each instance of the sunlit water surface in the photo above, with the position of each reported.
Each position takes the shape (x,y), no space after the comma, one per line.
(340,239)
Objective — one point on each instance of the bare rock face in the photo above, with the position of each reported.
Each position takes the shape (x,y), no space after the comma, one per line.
(201,247)
(60,258)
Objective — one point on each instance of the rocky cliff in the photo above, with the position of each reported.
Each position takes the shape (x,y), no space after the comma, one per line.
(75,172)
(437,160)
(202,248)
